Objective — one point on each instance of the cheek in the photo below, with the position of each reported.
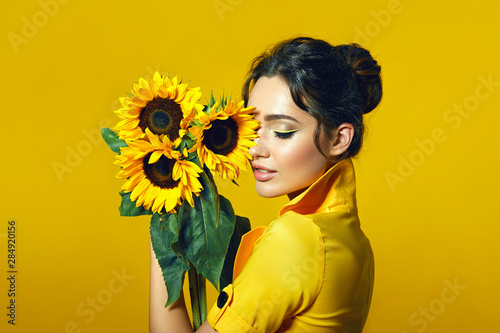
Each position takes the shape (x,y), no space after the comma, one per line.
(305,159)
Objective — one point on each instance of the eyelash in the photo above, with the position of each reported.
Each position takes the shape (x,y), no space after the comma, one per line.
(285,134)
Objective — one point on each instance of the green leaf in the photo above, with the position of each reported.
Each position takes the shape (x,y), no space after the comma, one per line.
(241,227)
(172,268)
(212,100)
(112,140)
(204,242)
(187,142)
(128,208)
(175,227)
(209,191)
(223,101)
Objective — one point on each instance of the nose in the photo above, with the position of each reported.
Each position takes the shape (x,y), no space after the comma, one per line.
(260,149)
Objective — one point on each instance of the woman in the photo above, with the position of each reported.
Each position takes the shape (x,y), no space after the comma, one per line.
(311,270)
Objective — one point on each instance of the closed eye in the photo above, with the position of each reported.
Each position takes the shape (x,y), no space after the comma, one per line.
(284,134)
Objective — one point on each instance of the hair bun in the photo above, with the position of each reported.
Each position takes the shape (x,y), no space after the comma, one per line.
(367,73)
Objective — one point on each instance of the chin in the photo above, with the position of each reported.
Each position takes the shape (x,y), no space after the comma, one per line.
(268,193)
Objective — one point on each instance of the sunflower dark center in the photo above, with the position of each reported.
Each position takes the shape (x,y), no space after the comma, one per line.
(162,116)
(160,172)
(222,137)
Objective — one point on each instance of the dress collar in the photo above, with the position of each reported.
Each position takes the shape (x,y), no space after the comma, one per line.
(334,191)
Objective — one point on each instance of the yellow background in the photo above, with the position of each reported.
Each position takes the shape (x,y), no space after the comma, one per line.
(427,176)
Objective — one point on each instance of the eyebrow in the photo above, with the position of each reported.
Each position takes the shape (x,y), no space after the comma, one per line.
(272,117)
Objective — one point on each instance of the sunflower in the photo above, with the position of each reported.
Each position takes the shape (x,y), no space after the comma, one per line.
(160,104)
(224,134)
(157,176)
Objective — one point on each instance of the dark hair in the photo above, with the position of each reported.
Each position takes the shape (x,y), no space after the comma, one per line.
(334,84)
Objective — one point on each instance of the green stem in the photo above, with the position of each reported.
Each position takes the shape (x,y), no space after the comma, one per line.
(198,293)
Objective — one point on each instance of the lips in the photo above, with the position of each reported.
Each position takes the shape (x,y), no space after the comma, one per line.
(262,173)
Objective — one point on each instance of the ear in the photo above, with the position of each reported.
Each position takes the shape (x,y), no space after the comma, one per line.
(342,137)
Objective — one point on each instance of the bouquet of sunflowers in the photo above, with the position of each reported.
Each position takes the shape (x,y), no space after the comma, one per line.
(168,147)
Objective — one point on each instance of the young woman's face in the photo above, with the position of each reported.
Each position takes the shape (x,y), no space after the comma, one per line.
(285,160)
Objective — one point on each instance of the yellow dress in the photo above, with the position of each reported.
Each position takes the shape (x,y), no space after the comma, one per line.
(310,270)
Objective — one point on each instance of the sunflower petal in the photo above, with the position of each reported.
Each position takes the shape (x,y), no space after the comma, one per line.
(142,93)
(155,156)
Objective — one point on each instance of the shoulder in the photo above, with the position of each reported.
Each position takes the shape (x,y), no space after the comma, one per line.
(295,226)
(294,232)
(343,230)
(284,273)
(294,243)
(347,249)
